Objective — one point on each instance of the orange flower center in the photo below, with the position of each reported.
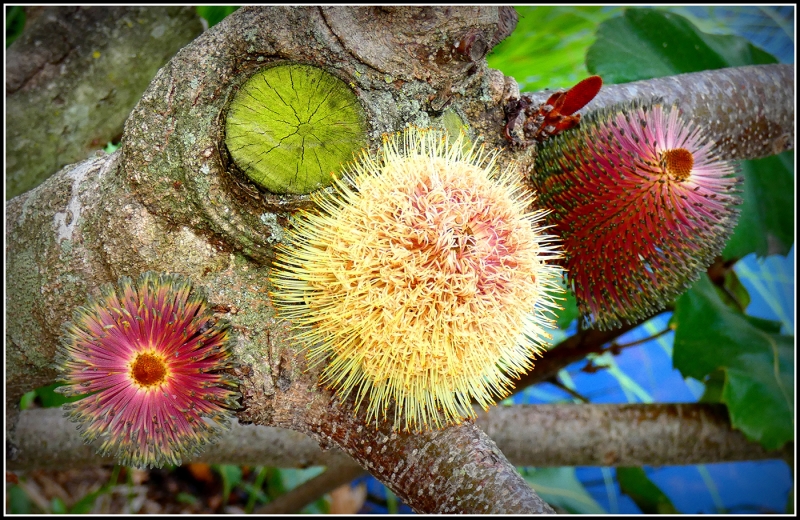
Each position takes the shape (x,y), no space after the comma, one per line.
(148,369)
(678,163)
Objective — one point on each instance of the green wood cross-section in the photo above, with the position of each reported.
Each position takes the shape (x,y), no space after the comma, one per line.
(292,126)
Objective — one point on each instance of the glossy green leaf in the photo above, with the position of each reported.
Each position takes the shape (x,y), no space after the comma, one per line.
(650,499)
(766,219)
(560,488)
(548,47)
(758,362)
(647,43)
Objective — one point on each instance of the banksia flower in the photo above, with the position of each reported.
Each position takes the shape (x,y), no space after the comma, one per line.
(642,204)
(423,281)
(148,355)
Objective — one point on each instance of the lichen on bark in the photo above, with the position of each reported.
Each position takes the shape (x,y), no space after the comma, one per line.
(73,77)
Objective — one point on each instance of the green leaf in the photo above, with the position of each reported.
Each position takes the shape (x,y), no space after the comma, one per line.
(647,43)
(50,398)
(735,293)
(215,13)
(18,501)
(15,23)
(548,47)
(319,507)
(57,506)
(569,312)
(111,147)
(231,477)
(714,385)
(185,498)
(27,399)
(766,219)
(758,362)
(650,499)
(293,477)
(84,505)
(560,488)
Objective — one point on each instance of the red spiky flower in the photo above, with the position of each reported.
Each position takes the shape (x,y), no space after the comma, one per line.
(149,355)
(643,205)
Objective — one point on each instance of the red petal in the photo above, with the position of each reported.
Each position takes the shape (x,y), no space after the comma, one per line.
(578,96)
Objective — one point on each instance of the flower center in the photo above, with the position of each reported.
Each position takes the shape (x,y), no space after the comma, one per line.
(148,369)
(678,163)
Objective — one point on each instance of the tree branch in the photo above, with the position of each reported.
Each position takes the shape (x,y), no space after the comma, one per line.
(748,111)
(74,75)
(574,348)
(167,203)
(577,435)
(621,435)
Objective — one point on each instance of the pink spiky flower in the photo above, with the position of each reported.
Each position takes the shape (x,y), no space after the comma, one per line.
(149,355)
(642,204)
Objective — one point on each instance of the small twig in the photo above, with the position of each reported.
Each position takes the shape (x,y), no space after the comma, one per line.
(615,347)
(574,348)
(293,501)
(555,382)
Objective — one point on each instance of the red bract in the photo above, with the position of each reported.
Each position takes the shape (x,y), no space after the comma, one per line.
(149,355)
(643,206)
(556,115)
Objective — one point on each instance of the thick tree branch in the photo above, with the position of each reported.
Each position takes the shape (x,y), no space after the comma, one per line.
(748,111)
(74,75)
(576,435)
(620,435)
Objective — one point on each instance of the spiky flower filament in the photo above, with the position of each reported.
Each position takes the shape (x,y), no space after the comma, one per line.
(149,355)
(643,205)
(423,280)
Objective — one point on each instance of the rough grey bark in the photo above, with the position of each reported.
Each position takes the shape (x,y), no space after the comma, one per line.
(168,201)
(73,77)
(577,435)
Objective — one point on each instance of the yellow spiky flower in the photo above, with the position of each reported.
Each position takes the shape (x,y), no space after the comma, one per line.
(422,279)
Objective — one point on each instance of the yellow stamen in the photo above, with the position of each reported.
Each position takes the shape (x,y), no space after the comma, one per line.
(149,369)
(678,163)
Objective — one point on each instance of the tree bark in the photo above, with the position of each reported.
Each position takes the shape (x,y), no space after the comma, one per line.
(73,77)
(576,435)
(168,201)
(747,111)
